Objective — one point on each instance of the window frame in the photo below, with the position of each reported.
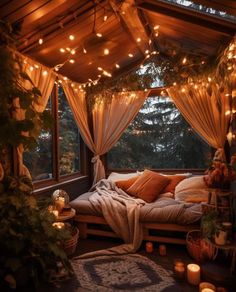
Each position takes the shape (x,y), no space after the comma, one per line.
(56,177)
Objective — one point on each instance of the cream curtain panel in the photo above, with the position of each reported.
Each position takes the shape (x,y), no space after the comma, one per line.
(206,110)
(110,119)
(43,78)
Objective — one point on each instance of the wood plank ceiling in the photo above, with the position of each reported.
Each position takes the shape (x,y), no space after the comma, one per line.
(127,28)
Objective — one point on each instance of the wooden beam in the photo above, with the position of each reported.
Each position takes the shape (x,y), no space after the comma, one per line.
(189,15)
(128,15)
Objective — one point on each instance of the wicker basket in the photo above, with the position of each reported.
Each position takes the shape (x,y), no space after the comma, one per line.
(70,245)
(198,248)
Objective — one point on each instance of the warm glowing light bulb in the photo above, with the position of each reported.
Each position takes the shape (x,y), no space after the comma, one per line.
(40,41)
(72,61)
(183,90)
(68,49)
(156,27)
(156,34)
(72,52)
(147,52)
(100,68)
(62,50)
(184,61)
(138,40)
(106,51)
(174,83)
(141,66)
(65,78)
(130,55)
(98,34)
(84,51)
(45,73)
(36,66)
(71,37)
(117,66)
(31,68)
(209,79)
(105,18)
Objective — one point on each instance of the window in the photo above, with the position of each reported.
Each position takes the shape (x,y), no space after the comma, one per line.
(39,161)
(58,151)
(159,138)
(69,140)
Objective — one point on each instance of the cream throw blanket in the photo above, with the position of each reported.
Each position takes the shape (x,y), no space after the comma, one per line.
(121,212)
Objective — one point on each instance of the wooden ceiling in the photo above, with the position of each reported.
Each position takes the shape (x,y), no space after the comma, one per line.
(128,32)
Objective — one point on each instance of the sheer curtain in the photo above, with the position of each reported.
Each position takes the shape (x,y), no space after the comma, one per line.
(110,119)
(207,110)
(43,78)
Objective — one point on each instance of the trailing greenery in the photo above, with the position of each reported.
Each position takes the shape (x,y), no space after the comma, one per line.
(12,78)
(31,248)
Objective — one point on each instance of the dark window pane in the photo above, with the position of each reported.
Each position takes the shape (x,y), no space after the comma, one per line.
(69,138)
(159,137)
(39,160)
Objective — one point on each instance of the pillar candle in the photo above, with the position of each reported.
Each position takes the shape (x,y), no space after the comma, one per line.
(162,250)
(204,285)
(149,247)
(193,274)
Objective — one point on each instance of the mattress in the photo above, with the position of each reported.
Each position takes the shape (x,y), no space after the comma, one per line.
(163,210)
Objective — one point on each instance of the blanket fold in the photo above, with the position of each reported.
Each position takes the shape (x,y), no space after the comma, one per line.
(122,214)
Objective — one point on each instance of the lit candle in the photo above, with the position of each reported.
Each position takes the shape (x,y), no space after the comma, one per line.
(162,250)
(149,247)
(60,203)
(179,270)
(55,213)
(205,285)
(58,225)
(193,274)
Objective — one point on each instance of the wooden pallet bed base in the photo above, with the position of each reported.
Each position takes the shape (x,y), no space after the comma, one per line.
(83,222)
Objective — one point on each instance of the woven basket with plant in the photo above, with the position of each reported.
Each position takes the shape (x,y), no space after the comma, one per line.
(198,248)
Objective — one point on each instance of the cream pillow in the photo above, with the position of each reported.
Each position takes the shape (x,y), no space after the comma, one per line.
(115,176)
(192,189)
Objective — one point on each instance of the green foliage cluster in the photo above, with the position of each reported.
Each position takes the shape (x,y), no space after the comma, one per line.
(30,246)
(12,78)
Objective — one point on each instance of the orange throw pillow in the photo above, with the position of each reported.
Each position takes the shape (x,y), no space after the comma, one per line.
(174,180)
(125,184)
(148,186)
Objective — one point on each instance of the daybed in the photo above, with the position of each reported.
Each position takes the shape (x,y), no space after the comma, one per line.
(166,219)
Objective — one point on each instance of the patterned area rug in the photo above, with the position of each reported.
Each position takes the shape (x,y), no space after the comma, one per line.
(131,272)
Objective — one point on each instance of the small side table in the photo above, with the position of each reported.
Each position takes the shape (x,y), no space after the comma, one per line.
(66,215)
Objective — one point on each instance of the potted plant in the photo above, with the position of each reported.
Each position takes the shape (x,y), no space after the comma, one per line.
(31,248)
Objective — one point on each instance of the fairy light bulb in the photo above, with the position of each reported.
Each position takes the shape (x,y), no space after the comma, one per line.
(98,34)
(40,41)
(138,40)
(100,68)
(71,37)
(62,50)
(156,27)
(117,66)
(84,51)
(184,61)
(105,18)
(147,52)
(72,52)
(31,68)
(106,51)
(45,73)
(72,61)
(130,55)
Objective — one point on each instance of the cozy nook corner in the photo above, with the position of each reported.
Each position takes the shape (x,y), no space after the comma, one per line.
(117,145)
